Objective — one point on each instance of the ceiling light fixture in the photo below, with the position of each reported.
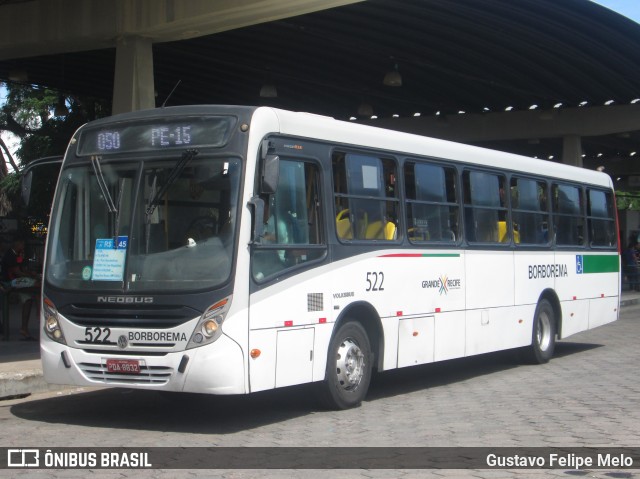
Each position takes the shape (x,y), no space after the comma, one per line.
(18,75)
(268,90)
(365,109)
(393,77)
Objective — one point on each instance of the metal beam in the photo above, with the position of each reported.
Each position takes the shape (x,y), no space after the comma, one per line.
(45,27)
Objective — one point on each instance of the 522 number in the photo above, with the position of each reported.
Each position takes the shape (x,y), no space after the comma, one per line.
(375,281)
(97,335)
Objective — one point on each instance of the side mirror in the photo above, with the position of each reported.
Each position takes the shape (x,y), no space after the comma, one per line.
(270,174)
(25,187)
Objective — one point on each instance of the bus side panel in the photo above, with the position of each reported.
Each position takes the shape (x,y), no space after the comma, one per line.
(390,331)
(530,276)
(294,357)
(423,293)
(301,304)
(489,276)
(602,311)
(496,329)
(587,285)
(490,295)
(415,340)
(449,335)
(575,317)
(262,370)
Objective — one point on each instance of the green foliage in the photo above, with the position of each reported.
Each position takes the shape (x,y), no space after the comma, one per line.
(29,113)
(35,115)
(10,184)
(626,200)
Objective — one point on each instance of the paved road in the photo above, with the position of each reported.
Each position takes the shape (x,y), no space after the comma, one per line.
(586,396)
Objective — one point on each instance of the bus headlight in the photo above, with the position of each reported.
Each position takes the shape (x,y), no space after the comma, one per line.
(51,322)
(209,327)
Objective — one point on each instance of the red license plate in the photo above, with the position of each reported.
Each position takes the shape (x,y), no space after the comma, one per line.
(123,366)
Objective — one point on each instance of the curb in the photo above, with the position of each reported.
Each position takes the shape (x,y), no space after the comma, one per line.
(24,383)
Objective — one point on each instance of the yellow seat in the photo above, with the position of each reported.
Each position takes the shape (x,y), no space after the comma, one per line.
(502,233)
(343,225)
(376,230)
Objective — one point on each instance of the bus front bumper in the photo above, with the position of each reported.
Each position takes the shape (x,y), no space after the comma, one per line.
(218,368)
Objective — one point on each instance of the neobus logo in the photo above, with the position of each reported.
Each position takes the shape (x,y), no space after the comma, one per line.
(126,299)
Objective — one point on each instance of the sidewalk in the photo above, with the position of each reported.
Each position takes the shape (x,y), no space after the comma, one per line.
(21,371)
(20,367)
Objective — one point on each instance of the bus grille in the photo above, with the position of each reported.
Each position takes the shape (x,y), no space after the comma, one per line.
(148,374)
(159,317)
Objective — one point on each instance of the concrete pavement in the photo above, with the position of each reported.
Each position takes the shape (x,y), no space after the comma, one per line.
(21,370)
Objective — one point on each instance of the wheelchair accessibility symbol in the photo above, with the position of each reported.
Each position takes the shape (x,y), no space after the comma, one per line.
(579,264)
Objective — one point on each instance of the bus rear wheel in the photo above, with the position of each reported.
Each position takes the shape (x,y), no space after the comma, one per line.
(348,372)
(543,338)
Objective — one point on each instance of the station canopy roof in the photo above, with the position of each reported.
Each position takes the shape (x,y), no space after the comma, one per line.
(453,56)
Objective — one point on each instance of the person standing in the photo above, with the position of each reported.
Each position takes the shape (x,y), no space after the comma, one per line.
(630,263)
(16,276)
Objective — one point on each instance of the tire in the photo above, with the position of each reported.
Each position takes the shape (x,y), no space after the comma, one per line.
(348,372)
(543,337)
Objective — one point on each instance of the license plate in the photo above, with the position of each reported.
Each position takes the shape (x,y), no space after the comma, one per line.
(123,366)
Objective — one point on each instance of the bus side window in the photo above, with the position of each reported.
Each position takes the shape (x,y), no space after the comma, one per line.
(568,215)
(432,208)
(529,210)
(365,195)
(292,231)
(485,212)
(601,217)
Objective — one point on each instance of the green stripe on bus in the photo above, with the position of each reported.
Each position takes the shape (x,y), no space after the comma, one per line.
(601,263)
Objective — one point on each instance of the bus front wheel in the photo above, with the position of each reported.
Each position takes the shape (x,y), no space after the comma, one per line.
(543,338)
(348,367)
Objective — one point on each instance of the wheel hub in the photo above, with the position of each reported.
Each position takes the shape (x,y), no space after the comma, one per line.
(543,331)
(349,364)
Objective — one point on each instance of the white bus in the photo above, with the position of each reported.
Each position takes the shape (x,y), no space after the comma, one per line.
(228,250)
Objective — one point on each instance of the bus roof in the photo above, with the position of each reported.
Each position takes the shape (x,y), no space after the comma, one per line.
(309,125)
(328,129)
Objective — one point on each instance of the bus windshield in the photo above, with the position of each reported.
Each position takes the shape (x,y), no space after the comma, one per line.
(157,225)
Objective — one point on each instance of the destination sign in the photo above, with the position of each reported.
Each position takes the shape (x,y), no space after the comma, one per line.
(159,134)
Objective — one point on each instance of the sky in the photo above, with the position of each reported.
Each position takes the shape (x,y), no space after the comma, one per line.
(628,8)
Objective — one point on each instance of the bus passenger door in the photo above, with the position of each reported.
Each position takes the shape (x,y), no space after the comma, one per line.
(288,299)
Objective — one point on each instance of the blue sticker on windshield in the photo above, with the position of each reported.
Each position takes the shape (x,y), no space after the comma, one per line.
(109,258)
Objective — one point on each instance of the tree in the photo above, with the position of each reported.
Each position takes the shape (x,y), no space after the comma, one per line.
(44,120)
(627,200)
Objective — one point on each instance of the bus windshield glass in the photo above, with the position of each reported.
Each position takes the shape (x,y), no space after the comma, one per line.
(157,225)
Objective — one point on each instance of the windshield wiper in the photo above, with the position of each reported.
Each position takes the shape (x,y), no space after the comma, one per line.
(155,196)
(186,157)
(108,199)
(102,184)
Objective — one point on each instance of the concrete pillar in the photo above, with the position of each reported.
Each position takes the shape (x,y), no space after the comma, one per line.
(133,86)
(572,150)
